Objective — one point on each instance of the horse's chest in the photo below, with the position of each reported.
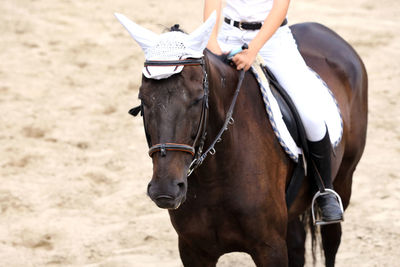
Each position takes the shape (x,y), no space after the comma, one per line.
(216,226)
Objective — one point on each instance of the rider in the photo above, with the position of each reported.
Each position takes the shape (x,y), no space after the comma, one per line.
(266,31)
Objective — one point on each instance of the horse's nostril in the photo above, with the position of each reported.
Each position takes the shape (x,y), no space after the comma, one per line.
(181,184)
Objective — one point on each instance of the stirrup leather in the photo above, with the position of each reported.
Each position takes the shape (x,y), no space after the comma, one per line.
(318,194)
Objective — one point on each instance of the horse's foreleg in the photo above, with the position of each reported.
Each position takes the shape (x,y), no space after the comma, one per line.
(270,255)
(296,237)
(192,257)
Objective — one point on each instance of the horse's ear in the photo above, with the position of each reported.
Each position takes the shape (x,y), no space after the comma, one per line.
(142,36)
(198,39)
(135,111)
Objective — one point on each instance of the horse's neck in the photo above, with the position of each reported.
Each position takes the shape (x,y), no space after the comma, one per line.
(222,84)
(250,132)
(223,81)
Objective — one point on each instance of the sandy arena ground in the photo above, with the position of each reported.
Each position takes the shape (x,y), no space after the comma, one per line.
(73,163)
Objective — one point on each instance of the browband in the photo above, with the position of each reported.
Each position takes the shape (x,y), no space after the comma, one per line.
(181,62)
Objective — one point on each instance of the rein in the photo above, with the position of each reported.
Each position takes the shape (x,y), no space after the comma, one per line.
(228,120)
(199,156)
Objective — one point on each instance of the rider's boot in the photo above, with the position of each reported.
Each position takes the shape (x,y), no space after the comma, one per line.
(320,154)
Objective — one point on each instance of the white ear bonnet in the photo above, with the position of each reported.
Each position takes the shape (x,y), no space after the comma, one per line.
(169,46)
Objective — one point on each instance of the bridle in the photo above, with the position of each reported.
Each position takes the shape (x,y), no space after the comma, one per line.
(201,129)
(198,156)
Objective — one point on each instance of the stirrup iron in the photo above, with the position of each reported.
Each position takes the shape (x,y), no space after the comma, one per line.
(318,194)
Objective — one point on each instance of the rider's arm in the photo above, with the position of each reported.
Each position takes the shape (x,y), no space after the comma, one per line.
(271,23)
(209,7)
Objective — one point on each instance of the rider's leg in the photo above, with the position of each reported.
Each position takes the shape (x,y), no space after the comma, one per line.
(305,89)
(283,58)
(320,153)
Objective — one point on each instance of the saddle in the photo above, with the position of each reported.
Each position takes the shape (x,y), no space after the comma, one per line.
(296,129)
(289,111)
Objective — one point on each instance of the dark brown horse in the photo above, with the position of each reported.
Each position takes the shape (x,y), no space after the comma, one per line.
(235,201)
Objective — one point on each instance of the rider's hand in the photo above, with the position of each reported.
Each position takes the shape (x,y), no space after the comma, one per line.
(244,59)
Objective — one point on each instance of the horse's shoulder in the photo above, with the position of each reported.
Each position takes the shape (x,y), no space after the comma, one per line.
(318,41)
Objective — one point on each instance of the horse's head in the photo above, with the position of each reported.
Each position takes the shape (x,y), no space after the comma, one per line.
(172,110)
(174,99)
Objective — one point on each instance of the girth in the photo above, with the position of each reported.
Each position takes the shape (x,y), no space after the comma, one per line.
(296,128)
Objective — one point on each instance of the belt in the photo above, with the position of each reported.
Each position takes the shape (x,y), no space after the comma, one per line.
(248,25)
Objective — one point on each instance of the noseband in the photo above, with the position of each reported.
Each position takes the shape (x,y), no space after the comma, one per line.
(199,156)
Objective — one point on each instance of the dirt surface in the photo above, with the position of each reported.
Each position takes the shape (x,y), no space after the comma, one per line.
(73,163)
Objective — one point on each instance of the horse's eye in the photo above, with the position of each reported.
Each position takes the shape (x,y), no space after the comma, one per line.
(196,102)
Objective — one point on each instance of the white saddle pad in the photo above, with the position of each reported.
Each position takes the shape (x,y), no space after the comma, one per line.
(333,120)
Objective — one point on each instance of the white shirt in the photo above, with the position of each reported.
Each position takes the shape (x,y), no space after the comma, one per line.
(247,10)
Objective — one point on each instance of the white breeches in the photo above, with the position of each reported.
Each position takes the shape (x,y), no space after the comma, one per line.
(283,58)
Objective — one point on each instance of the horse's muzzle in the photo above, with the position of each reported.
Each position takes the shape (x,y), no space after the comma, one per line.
(167,194)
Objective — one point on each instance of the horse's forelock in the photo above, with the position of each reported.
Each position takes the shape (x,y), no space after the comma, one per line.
(174,28)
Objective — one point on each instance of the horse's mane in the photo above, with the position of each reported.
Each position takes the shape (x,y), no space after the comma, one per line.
(223,58)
